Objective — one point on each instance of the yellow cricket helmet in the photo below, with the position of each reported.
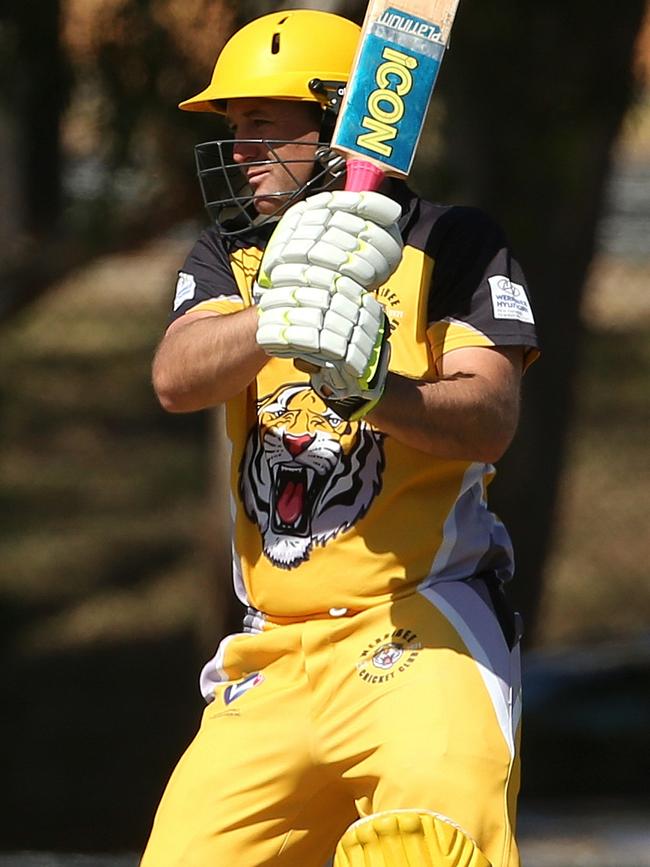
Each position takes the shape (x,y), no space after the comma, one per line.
(277,55)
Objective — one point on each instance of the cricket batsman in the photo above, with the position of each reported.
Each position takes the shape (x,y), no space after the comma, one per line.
(368,348)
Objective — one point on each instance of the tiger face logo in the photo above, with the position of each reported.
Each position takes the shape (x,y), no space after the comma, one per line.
(387,655)
(306,475)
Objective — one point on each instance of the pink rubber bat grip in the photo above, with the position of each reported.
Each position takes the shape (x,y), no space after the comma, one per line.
(362,175)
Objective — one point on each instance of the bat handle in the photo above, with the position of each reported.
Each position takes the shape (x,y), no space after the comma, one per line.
(362,175)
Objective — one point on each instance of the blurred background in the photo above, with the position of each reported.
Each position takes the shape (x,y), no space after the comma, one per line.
(114,568)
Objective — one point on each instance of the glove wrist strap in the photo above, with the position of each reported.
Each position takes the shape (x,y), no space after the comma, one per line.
(354,407)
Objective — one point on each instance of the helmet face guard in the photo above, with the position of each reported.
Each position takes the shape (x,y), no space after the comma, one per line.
(227,195)
(300,55)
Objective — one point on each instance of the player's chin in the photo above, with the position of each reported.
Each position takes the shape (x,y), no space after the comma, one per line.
(267,205)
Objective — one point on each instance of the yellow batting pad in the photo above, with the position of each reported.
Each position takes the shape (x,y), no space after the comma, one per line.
(407,838)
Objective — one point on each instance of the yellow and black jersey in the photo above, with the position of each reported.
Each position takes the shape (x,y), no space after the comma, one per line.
(332,515)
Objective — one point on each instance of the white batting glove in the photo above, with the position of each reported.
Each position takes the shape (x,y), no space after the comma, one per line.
(272,254)
(324,255)
(352,397)
(319,316)
(313,298)
(354,234)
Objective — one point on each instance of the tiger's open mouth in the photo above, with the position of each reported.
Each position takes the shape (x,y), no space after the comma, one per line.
(294,492)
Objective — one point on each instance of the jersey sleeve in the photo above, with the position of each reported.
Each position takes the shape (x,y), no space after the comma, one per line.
(478,294)
(206,280)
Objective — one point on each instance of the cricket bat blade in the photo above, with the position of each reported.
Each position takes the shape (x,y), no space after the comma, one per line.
(393,75)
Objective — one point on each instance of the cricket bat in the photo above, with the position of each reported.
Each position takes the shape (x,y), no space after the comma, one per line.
(393,75)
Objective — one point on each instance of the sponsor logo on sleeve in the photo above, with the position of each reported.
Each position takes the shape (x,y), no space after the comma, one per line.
(509,300)
(185,289)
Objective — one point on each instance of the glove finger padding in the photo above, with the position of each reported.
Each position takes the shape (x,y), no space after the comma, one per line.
(349,228)
(291,320)
(294,274)
(350,396)
(294,296)
(366,336)
(355,234)
(282,233)
(341,324)
(294,320)
(372,206)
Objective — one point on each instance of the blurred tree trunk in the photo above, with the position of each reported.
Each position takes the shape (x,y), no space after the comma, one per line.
(40,96)
(37,73)
(10,213)
(136,59)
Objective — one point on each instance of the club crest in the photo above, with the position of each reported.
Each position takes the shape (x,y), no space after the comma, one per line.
(388,656)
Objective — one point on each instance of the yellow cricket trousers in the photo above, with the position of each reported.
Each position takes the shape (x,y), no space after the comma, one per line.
(412,704)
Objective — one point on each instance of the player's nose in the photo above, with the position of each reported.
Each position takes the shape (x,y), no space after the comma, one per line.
(246,151)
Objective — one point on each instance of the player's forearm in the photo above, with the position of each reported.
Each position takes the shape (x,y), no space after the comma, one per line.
(206,361)
(459,417)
